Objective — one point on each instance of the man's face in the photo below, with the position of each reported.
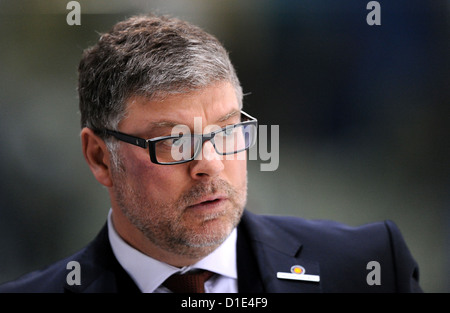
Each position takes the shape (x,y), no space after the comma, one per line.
(186,209)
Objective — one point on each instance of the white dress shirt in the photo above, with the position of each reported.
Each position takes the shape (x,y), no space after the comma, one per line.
(149,273)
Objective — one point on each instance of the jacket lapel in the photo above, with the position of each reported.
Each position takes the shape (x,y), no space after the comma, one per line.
(275,250)
(100,270)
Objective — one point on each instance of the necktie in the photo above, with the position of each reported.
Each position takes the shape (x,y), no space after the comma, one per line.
(193,282)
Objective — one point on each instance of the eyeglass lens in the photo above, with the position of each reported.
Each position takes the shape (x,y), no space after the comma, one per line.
(228,141)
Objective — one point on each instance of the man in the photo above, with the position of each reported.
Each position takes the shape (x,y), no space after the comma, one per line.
(163,130)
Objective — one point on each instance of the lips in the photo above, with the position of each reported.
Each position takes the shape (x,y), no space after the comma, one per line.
(208,202)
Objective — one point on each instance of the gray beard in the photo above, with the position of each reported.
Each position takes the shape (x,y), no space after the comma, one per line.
(170,234)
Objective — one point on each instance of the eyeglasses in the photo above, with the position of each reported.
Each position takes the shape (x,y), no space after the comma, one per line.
(184,148)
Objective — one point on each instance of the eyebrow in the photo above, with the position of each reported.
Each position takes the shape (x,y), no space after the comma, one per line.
(170,124)
(162,124)
(228,116)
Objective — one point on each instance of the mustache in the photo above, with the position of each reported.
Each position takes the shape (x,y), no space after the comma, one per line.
(218,186)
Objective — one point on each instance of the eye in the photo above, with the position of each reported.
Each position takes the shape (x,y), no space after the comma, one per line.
(174,142)
(228,131)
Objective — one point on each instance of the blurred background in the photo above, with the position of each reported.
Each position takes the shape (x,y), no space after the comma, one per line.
(363,115)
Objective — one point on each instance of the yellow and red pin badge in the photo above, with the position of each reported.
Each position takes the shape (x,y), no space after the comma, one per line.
(298,273)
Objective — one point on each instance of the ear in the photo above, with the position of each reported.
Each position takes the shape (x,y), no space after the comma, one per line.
(97,156)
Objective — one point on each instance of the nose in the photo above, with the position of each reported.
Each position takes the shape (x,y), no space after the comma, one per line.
(207,164)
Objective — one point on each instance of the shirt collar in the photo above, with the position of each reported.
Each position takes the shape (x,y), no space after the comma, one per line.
(221,261)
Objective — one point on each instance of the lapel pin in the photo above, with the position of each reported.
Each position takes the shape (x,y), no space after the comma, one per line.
(298,273)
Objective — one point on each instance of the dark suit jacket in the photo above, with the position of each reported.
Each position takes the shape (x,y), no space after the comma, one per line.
(339,254)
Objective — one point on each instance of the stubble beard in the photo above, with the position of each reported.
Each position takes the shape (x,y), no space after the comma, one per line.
(169,226)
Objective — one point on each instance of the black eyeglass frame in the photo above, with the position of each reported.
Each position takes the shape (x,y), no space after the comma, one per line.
(151,143)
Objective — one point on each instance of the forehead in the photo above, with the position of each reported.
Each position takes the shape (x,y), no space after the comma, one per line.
(211,104)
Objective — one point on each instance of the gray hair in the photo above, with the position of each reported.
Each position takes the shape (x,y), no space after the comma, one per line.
(147,55)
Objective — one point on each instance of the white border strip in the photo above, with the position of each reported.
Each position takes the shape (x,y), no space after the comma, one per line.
(303,277)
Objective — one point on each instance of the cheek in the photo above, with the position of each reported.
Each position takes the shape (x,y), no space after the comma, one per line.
(236,170)
(156,181)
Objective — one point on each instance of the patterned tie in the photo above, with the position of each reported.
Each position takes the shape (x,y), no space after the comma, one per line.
(191,282)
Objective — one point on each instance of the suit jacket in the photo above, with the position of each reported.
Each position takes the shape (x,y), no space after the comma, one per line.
(266,245)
